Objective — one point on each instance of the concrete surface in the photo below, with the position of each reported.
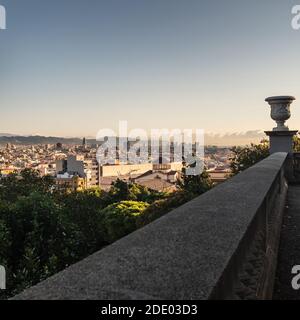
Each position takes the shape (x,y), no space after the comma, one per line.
(289,249)
(191,253)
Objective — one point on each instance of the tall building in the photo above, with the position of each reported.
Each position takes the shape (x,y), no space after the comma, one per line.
(87,169)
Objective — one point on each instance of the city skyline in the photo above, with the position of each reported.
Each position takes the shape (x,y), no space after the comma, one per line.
(226,139)
(70,69)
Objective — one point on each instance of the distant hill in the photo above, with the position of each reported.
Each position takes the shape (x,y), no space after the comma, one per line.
(228,139)
(4,139)
(7,135)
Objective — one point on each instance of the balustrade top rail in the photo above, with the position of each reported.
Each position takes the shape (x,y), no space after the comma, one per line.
(197,251)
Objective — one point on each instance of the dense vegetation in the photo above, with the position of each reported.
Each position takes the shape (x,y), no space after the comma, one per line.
(42,230)
(245,157)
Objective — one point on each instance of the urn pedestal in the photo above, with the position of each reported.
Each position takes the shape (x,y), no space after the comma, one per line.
(281,141)
(281,138)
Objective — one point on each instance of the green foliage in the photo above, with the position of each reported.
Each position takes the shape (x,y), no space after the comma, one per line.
(160,207)
(14,186)
(43,230)
(80,210)
(121,190)
(196,184)
(36,234)
(245,157)
(297,143)
(120,219)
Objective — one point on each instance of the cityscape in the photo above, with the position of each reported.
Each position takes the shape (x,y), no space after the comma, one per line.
(149,156)
(76,166)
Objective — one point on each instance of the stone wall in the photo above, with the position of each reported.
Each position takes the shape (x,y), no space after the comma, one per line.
(221,245)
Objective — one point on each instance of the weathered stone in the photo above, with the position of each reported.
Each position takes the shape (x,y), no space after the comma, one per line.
(197,251)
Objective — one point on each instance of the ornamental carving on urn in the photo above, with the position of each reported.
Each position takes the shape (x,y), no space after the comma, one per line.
(280,110)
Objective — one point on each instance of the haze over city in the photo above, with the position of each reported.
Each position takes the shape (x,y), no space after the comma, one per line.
(69,68)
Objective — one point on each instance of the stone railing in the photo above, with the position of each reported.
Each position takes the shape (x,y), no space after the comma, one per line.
(221,245)
(296,166)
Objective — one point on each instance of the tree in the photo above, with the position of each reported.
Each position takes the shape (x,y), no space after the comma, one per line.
(160,207)
(120,219)
(80,210)
(44,230)
(39,242)
(245,157)
(297,143)
(128,191)
(194,184)
(23,184)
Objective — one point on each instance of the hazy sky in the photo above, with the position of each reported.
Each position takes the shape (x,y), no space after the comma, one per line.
(71,67)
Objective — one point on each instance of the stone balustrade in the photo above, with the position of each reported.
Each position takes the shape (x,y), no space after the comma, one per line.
(221,245)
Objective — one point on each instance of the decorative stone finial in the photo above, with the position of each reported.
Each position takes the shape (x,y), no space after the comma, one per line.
(280,110)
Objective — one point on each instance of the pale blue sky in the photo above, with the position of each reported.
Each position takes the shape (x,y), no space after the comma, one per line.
(70,67)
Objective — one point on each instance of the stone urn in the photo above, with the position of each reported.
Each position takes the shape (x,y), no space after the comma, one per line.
(280,110)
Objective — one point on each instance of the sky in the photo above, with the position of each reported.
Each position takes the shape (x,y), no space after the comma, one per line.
(72,67)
